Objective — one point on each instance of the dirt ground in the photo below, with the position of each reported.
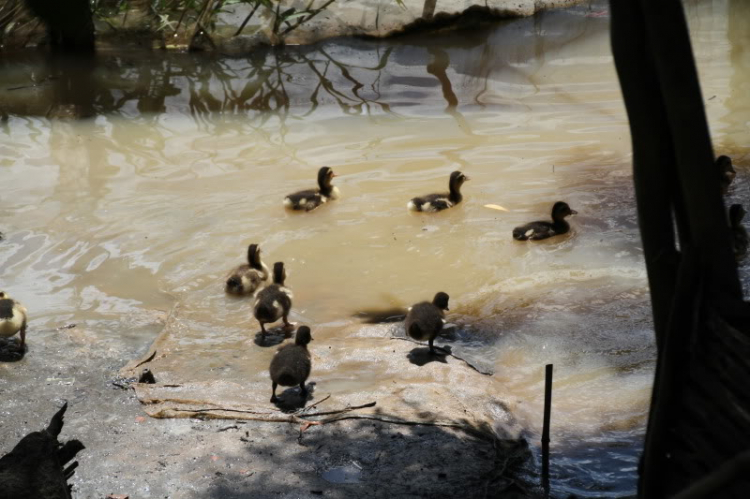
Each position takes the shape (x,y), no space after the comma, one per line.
(130,453)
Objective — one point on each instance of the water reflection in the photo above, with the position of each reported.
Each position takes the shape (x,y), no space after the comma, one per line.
(178,161)
(357,76)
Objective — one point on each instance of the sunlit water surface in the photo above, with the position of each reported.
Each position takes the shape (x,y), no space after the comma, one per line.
(183,161)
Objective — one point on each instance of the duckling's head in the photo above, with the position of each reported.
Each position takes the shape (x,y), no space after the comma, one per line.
(279,273)
(3,296)
(736,214)
(303,336)
(724,164)
(325,175)
(561,210)
(441,301)
(457,180)
(253,256)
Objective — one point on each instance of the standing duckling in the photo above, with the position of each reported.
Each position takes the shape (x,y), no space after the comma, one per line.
(425,320)
(442,201)
(245,279)
(541,229)
(291,365)
(740,238)
(726,172)
(274,301)
(12,318)
(312,198)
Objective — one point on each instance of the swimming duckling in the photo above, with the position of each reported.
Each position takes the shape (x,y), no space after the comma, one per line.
(541,229)
(727,172)
(438,202)
(425,320)
(245,279)
(12,318)
(274,301)
(312,198)
(291,364)
(740,238)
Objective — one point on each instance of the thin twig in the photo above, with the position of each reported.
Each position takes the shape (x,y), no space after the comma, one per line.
(447,352)
(247,19)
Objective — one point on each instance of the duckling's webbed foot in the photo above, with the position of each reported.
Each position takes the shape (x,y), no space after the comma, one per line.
(274,398)
(432,348)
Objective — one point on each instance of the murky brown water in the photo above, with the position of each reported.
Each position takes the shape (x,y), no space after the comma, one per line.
(184,161)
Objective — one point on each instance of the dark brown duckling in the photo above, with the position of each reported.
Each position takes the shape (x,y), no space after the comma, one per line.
(442,201)
(425,320)
(246,279)
(310,199)
(12,318)
(740,238)
(543,229)
(291,365)
(726,172)
(37,468)
(274,301)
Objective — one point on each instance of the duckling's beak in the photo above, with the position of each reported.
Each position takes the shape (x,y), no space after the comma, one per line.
(466,178)
(573,212)
(333,175)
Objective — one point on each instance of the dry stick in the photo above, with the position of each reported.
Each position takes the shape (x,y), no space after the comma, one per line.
(545,431)
(447,352)
(304,409)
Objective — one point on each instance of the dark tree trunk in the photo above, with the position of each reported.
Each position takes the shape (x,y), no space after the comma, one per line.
(69,23)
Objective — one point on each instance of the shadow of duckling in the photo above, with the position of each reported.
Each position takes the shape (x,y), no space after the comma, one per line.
(292,398)
(272,337)
(10,350)
(421,356)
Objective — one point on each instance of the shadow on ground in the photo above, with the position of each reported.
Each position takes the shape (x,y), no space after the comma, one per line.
(367,458)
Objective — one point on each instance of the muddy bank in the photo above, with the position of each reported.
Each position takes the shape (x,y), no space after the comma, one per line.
(127,453)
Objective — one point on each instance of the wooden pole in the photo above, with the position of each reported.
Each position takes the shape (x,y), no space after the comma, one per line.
(545,430)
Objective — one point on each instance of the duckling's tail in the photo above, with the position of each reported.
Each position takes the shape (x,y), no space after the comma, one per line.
(519,234)
(264,312)
(415,332)
(287,378)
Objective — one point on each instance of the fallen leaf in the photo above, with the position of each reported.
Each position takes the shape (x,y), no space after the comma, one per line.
(496,207)
(140,419)
(214,458)
(118,496)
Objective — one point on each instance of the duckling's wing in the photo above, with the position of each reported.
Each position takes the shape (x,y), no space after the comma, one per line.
(304,200)
(432,202)
(533,231)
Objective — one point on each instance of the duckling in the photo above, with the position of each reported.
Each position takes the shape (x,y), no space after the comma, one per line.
(312,198)
(274,301)
(541,229)
(12,318)
(425,320)
(740,240)
(291,364)
(727,172)
(245,279)
(442,201)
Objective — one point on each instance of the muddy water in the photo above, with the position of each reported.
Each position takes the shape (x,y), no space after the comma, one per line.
(181,161)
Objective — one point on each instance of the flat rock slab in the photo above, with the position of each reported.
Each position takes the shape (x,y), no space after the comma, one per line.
(397,381)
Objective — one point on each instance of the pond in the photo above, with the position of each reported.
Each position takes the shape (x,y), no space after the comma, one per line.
(133,183)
